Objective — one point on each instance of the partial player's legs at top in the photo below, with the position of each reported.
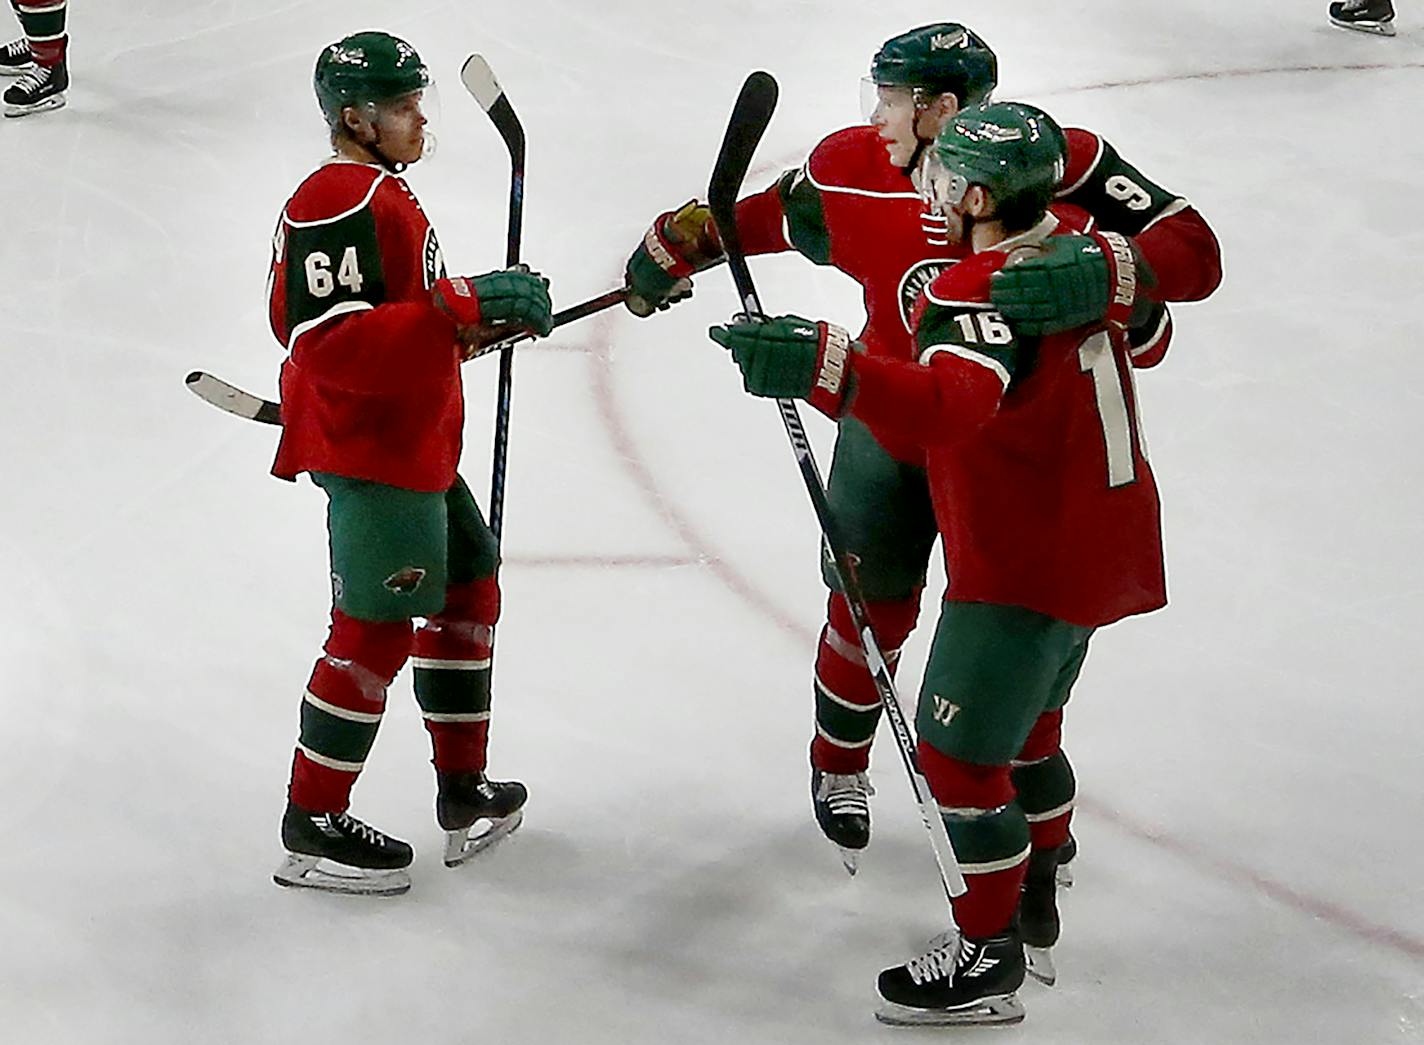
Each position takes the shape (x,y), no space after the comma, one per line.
(1367,16)
(40,59)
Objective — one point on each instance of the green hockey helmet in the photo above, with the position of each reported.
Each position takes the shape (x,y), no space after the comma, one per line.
(939,58)
(1016,151)
(366,67)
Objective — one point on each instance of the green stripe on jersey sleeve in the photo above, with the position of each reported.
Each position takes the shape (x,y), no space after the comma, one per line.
(805,216)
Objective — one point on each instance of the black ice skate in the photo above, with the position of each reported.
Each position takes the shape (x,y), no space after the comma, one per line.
(842,805)
(337,853)
(475,812)
(1038,913)
(15,58)
(963,981)
(39,89)
(1366,16)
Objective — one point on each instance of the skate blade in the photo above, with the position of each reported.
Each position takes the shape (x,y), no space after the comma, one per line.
(460,846)
(309,872)
(1373,28)
(1040,965)
(17,70)
(1000,1009)
(16,111)
(850,858)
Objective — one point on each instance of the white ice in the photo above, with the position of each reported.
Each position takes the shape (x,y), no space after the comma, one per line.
(1251,787)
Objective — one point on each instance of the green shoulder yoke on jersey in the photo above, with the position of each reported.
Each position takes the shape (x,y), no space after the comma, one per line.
(959,318)
(1113,191)
(333,264)
(942,58)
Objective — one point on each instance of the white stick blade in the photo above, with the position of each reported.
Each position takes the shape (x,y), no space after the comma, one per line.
(223,395)
(478,78)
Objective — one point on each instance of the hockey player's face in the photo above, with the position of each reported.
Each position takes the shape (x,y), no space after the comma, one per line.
(400,126)
(893,112)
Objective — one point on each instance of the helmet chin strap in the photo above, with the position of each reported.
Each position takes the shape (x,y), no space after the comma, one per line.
(391,165)
(920,146)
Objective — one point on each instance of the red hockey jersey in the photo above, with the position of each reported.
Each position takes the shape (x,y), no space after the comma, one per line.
(848,207)
(1034,450)
(371,384)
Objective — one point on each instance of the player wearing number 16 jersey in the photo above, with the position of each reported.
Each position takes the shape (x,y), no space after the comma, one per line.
(372,410)
(854,206)
(1045,504)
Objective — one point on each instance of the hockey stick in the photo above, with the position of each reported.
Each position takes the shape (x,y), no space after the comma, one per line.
(479,80)
(229,397)
(749,120)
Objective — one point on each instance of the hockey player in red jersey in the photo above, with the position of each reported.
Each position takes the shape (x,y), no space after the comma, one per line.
(854,206)
(1045,504)
(372,409)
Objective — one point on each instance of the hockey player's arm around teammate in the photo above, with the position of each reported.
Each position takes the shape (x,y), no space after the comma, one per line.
(1175,255)
(1048,512)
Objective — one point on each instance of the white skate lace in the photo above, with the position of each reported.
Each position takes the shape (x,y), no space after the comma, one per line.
(16,49)
(365,832)
(938,963)
(846,793)
(33,80)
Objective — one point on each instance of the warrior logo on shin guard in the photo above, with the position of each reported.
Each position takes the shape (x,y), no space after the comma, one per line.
(404,582)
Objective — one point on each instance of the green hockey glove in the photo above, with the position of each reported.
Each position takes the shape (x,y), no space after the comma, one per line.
(497,303)
(678,244)
(792,358)
(1072,281)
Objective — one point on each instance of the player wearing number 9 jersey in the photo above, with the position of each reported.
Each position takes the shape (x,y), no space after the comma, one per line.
(372,409)
(853,206)
(1048,514)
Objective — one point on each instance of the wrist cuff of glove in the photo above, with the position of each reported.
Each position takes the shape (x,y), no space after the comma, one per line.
(830,394)
(1122,277)
(666,254)
(457,299)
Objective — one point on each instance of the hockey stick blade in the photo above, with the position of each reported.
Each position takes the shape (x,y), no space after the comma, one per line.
(234,400)
(479,80)
(750,116)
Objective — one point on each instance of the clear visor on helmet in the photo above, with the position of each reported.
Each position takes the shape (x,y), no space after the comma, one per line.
(407,123)
(940,188)
(883,103)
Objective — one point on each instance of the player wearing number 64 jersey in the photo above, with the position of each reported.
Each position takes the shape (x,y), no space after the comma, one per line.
(1045,505)
(372,409)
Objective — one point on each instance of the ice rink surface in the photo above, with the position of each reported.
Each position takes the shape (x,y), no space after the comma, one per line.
(1251,858)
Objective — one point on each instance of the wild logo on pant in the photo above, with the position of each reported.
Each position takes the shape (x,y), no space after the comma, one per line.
(405,581)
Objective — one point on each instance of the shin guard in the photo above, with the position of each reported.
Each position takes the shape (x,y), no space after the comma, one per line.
(847,704)
(342,709)
(990,836)
(452,675)
(1043,779)
(43,23)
